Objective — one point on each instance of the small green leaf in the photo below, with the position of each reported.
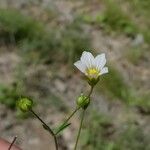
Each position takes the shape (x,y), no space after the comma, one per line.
(62,127)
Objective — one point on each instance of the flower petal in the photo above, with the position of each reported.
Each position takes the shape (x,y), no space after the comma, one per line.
(80,66)
(100,61)
(87,59)
(104,70)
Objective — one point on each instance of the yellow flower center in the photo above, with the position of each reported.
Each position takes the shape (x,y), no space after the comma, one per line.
(93,73)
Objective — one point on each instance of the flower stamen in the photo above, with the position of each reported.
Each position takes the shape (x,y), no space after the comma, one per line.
(92,73)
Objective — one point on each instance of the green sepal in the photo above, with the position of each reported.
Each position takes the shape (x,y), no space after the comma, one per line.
(93,81)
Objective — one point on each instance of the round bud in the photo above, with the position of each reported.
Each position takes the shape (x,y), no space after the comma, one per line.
(83,101)
(25,104)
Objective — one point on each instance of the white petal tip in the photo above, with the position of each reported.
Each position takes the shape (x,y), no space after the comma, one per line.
(104,70)
(80,66)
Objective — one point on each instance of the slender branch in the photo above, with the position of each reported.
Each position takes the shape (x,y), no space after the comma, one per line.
(70,116)
(47,127)
(81,123)
(12,143)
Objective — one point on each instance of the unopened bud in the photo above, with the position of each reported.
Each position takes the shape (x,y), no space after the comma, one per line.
(83,101)
(25,104)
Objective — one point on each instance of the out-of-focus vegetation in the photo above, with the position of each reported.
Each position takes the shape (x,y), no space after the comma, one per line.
(114,84)
(16,27)
(9,95)
(140,9)
(134,55)
(99,134)
(142,102)
(113,19)
(37,42)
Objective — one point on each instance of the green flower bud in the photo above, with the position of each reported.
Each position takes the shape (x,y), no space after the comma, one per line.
(25,104)
(83,101)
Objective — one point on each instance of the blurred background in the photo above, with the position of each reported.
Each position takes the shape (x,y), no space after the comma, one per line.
(39,42)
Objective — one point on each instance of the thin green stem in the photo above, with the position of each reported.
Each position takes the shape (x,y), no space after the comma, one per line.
(91,90)
(47,127)
(79,131)
(70,116)
(12,143)
(82,118)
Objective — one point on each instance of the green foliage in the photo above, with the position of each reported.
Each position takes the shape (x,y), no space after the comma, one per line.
(140,11)
(114,84)
(143,103)
(9,95)
(88,18)
(15,27)
(146,34)
(114,19)
(142,7)
(41,48)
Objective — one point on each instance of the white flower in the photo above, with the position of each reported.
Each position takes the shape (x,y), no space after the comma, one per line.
(90,66)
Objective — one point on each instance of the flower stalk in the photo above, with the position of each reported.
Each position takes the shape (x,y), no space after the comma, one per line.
(47,128)
(82,118)
(80,127)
